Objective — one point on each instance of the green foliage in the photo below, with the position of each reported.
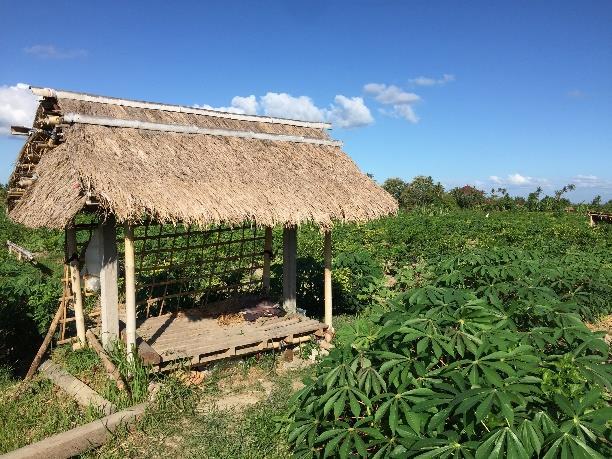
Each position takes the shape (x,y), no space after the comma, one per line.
(28,292)
(422,191)
(395,187)
(358,279)
(468,197)
(489,357)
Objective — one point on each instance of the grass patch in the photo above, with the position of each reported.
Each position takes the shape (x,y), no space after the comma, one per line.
(186,422)
(33,410)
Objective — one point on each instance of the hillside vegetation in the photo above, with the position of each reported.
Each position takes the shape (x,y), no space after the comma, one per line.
(460,333)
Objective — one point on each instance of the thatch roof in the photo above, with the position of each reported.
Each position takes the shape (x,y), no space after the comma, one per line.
(182,164)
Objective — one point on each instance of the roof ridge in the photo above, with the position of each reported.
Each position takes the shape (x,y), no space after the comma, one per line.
(191,129)
(48,92)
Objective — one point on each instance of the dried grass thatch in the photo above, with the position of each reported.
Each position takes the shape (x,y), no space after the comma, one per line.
(196,178)
(166,117)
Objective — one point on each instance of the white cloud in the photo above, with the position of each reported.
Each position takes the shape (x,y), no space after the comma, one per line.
(390,95)
(406,112)
(52,52)
(427,81)
(517,180)
(284,105)
(247,104)
(348,112)
(241,105)
(17,107)
(590,181)
(344,112)
(400,100)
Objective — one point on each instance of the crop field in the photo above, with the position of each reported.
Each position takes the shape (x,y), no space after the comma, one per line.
(460,333)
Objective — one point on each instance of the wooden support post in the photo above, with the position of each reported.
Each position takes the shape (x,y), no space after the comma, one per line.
(327,279)
(75,282)
(289,269)
(267,259)
(130,292)
(108,283)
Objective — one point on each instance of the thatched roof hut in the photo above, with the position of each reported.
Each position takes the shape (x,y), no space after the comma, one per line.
(175,163)
(138,162)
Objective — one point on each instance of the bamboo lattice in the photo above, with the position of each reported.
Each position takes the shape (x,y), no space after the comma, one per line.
(179,266)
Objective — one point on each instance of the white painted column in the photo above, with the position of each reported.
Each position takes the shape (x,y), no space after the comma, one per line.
(327,278)
(109,295)
(130,292)
(75,282)
(289,269)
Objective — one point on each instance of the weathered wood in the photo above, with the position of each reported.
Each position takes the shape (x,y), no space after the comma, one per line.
(75,282)
(184,336)
(45,344)
(267,260)
(289,268)
(19,251)
(188,129)
(148,355)
(238,342)
(111,369)
(327,278)
(108,283)
(80,439)
(130,292)
(46,92)
(81,392)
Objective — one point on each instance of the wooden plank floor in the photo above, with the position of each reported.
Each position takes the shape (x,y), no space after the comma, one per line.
(191,335)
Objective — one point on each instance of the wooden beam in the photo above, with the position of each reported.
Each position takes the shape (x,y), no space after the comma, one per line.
(267,260)
(111,369)
(109,295)
(75,282)
(290,269)
(327,278)
(47,92)
(81,392)
(191,129)
(148,355)
(130,292)
(80,439)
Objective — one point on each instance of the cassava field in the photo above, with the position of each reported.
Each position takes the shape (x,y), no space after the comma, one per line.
(460,333)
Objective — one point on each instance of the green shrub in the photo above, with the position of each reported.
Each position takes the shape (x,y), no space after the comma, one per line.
(451,374)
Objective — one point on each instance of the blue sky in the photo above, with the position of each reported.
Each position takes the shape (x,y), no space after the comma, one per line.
(514,94)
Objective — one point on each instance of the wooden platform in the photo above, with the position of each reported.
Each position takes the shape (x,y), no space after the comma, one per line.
(596,217)
(193,336)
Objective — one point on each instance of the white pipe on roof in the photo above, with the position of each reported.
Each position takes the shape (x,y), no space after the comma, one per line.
(48,92)
(190,129)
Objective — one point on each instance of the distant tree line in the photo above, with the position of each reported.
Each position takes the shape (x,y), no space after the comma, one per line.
(424,191)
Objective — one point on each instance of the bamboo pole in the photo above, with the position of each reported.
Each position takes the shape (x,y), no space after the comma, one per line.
(327,280)
(130,292)
(267,259)
(45,344)
(111,369)
(75,282)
